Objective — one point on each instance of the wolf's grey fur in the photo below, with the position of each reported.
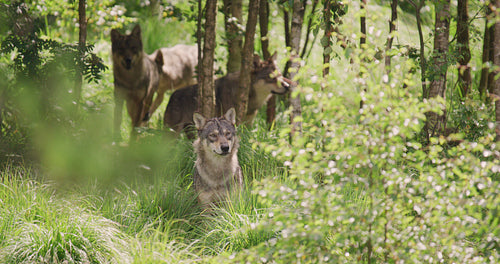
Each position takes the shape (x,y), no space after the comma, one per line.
(217,170)
(266,79)
(178,70)
(136,77)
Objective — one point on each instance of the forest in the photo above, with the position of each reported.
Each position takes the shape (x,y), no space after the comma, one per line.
(384,148)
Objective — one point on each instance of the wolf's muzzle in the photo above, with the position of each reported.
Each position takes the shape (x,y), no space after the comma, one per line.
(224,149)
(128,63)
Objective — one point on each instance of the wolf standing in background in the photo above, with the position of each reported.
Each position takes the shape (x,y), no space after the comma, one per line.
(266,79)
(178,70)
(217,169)
(136,78)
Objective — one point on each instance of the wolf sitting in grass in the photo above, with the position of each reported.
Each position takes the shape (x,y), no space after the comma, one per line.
(217,170)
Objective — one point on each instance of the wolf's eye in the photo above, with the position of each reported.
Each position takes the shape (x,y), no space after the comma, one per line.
(227,134)
(212,136)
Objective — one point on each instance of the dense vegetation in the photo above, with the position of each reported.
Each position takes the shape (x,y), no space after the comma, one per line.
(357,184)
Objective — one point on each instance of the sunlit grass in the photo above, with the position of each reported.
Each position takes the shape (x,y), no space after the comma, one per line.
(39,227)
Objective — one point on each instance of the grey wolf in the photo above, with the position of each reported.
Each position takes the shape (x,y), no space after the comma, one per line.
(266,79)
(136,77)
(178,70)
(217,170)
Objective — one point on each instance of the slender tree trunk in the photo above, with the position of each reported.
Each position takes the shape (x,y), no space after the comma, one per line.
(233,18)
(435,123)
(491,49)
(206,93)
(483,83)
(362,21)
(82,43)
(288,41)
(247,61)
(327,49)
(295,34)
(496,62)
(199,38)
(392,30)
(309,27)
(464,75)
(423,63)
(264,42)
(264,28)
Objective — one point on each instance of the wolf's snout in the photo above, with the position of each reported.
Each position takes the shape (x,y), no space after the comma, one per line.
(128,63)
(224,148)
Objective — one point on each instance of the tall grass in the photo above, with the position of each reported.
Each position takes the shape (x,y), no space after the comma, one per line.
(37,227)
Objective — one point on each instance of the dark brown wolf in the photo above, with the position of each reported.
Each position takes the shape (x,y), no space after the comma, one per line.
(266,79)
(136,78)
(178,70)
(217,170)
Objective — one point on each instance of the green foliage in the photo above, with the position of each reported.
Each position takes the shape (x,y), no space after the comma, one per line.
(433,203)
(472,118)
(357,185)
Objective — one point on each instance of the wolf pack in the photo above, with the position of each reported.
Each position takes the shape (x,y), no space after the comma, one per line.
(141,81)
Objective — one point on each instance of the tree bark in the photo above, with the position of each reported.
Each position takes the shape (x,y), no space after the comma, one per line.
(247,60)
(264,42)
(496,62)
(82,43)
(327,49)
(392,29)
(362,21)
(491,75)
(295,35)
(464,74)
(206,93)
(423,63)
(233,18)
(435,123)
(483,83)
(288,41)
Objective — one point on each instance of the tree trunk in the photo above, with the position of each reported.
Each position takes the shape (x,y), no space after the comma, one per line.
(464,75)
(264,42)
(288,41)
(295,35)
(423,63)
(82,42)
(435,123)
(199,37)
(233,18)
(206,93)
(247,61)
(327,41)
(309,27)
(496,62)
(483,83)
(392,29)
(362,21)
(491,49)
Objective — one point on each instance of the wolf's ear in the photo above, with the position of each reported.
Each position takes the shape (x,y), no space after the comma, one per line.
(199,120)
(159,58)
(115,35)
(230,116)
(256,61)
(136,32)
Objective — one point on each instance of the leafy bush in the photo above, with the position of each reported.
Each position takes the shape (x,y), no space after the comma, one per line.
(363,187)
